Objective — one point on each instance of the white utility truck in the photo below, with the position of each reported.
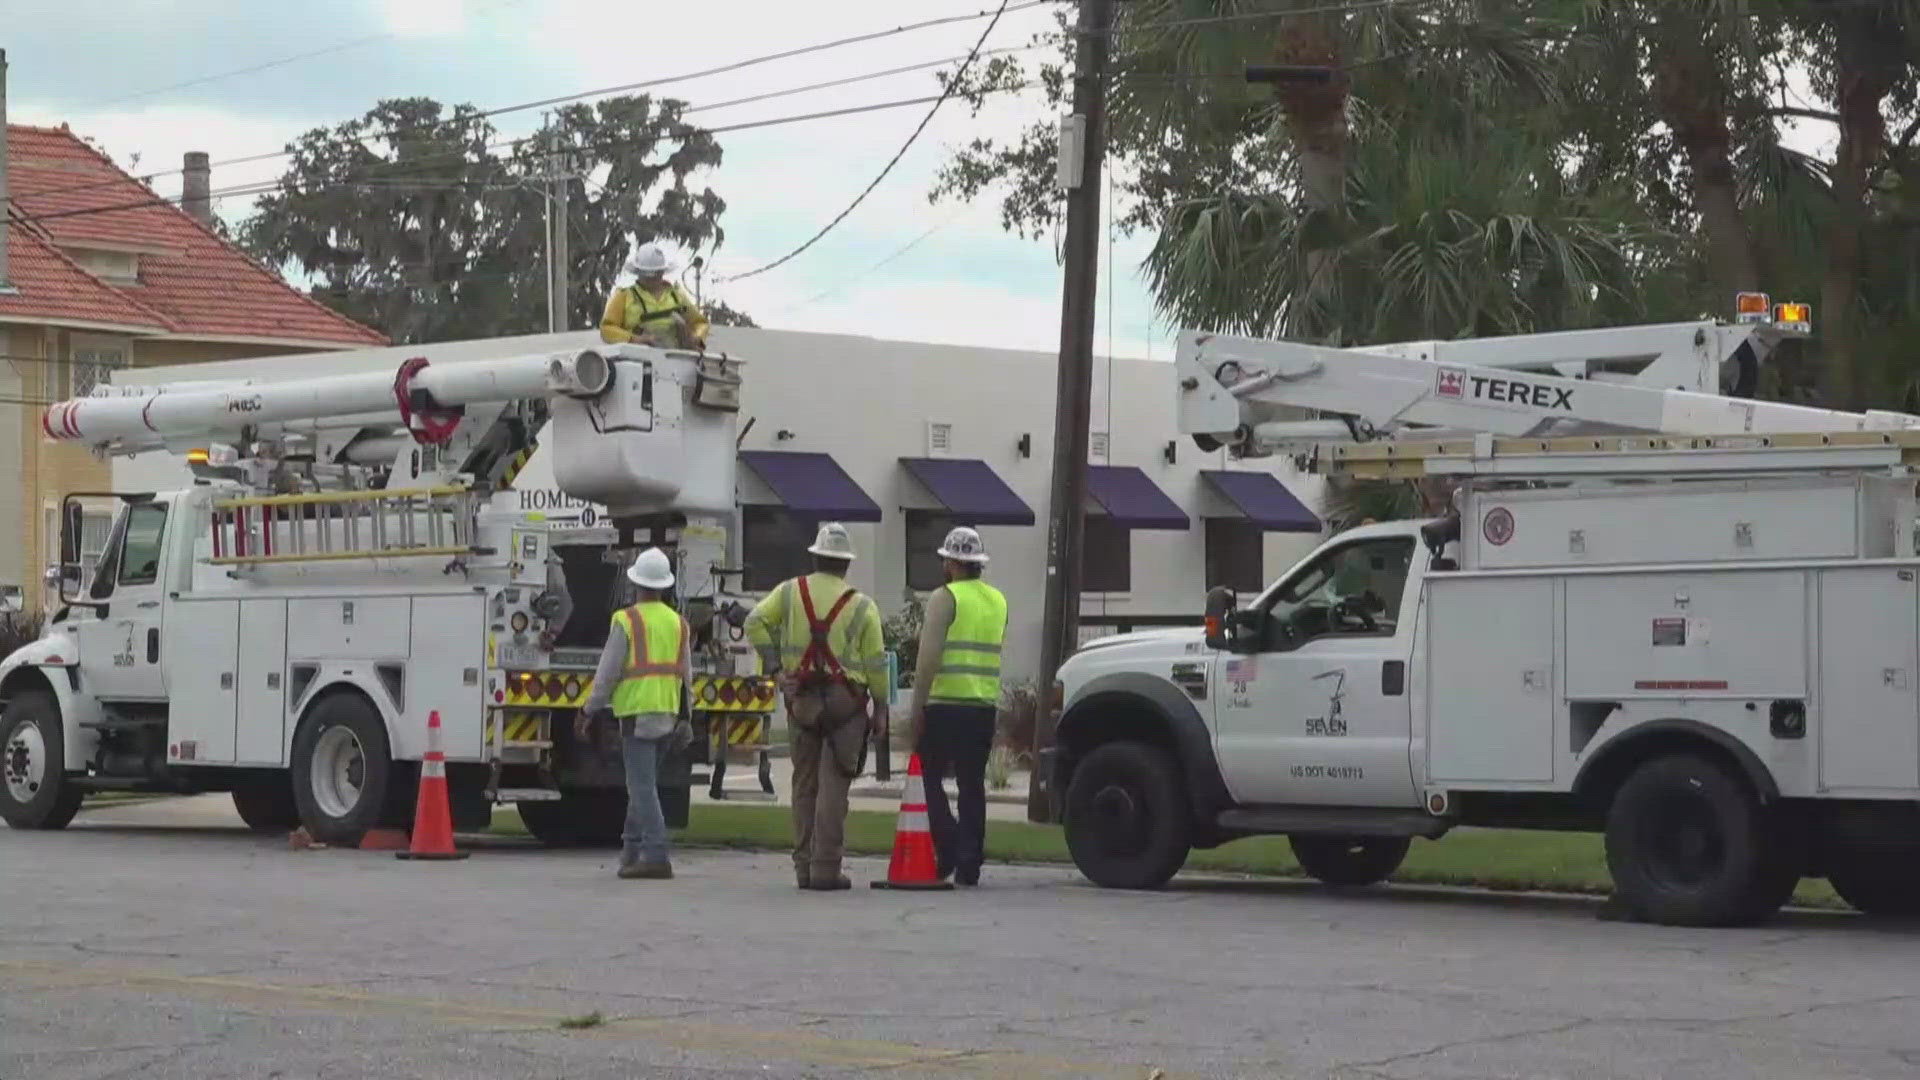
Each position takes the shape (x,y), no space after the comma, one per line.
(340,568)
(1702,640)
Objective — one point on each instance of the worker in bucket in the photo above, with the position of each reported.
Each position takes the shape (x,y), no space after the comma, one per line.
(652,310)
(956,695)
(642,680)
(822,637)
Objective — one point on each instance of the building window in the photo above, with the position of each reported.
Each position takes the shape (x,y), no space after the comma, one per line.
(90,362)
(1106,557)
(1236,555)
(773,543)
(926,531)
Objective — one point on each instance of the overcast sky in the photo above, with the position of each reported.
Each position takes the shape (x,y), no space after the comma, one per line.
(966,282)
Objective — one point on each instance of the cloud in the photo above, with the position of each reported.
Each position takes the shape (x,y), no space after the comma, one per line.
(968,282)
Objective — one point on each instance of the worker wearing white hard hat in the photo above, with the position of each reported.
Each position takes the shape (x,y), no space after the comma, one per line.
(956,696)
(653,310)
(823,639)
(642,680)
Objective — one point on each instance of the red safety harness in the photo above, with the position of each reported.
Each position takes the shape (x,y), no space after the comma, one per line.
(818,666)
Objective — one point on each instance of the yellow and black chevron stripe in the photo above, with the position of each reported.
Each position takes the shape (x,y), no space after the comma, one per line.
(741,730)
(711,693)
(514,465)
(520,727)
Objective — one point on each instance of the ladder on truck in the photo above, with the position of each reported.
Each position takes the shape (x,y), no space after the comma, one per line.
(338,525)
(1644,457)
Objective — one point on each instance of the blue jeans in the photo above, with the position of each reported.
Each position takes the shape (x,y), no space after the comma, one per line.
(645,837)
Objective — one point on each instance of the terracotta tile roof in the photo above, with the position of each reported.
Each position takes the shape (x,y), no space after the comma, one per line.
(198,284)
(49,287)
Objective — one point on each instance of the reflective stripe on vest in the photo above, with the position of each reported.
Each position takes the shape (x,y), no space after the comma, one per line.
(650,680)
(644,307)
(970,660)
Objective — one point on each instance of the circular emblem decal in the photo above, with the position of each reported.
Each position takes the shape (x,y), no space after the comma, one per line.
(1497,526)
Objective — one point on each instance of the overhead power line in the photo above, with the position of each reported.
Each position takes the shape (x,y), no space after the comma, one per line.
(945,93)
(737,65)
(265,187)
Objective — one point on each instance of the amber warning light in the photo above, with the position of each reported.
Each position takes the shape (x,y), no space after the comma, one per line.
(1794,317)
(1751,307)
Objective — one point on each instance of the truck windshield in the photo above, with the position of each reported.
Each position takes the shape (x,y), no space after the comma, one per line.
(598,588)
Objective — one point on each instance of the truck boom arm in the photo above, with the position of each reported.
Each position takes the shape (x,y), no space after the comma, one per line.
(1248,394)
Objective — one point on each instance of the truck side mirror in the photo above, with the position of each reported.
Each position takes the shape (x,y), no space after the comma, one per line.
(1219,614)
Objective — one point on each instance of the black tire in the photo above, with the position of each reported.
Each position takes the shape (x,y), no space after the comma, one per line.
(1688,845)
(266,803)
(577,818)
(331,813)
(1128,823)
(1349,862)
(1887,886)
(35,792)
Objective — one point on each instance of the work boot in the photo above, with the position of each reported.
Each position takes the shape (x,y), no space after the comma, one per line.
(801,877)
(826,880)
(967,878)
(647,871)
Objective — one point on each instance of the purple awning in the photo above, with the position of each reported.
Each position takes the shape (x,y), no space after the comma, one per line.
(970,490)
(1133,500)
(812,485)
(1264,500)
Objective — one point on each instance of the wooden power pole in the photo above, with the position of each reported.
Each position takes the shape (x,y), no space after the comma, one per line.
(1083,145)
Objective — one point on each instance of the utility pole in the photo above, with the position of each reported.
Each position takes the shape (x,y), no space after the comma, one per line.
(1083,145)
(558,178)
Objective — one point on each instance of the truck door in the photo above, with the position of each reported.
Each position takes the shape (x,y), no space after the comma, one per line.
(1316,710)
(120,650)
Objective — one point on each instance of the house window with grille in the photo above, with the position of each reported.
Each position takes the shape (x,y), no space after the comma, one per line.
(90,363)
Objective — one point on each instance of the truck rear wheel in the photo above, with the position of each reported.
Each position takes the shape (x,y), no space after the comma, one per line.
(590,818)
(1128,824)
(266,803)
(342,769)
(1888,886)
(34,790)
(1349,861)
(1687,845)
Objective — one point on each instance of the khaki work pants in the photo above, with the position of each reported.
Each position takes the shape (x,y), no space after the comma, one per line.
(823,770)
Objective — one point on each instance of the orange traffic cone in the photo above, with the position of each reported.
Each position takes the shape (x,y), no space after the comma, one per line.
(432,820)
(913,858)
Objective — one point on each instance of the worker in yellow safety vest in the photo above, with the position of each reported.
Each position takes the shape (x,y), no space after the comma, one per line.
(823,638)
(652,310)
(642,680)
(956,696)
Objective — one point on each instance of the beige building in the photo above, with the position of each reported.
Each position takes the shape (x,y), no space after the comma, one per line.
(98,274)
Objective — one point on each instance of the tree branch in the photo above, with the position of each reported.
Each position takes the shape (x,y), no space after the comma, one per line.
(1804,114)
(1893,151)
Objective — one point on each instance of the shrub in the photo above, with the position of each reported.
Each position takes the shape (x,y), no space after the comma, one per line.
(19,628)
(1017,723)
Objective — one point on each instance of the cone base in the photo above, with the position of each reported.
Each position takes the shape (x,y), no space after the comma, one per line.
(431,856)
(914,886)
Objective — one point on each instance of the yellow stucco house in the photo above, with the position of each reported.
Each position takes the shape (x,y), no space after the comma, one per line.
(101,274)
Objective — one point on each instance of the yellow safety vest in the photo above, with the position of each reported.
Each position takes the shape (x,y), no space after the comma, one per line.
(846,637)
(651,679)
(970,661)
(643,307)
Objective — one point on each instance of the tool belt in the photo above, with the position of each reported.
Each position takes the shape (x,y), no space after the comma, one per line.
(821,711)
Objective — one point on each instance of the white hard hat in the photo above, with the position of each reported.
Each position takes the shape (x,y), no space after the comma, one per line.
(652,570)
(832,542)
(648,259)
(964,545)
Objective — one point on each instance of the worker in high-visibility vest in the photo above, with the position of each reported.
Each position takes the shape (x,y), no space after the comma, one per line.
(652,310)
(823,639)
(956,696)
(642,680)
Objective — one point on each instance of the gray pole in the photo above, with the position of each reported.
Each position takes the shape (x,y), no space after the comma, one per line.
(1073,395)
(557,297)
(4,287)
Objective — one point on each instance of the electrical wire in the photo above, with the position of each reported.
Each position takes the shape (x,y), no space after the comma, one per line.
(737,65)
(266,187)
(946,92)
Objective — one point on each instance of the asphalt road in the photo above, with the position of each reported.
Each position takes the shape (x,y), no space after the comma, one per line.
(208,953)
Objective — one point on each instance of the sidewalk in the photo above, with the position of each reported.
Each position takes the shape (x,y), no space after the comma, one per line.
(867,793)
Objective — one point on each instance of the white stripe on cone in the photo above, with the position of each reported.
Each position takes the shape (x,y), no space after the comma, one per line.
(913,821)
(915,792)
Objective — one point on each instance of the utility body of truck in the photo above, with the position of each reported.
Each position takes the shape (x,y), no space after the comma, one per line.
(1705,643)
(346,562)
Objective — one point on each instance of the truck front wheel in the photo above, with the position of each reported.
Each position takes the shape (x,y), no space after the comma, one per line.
(1128,825)
(34,790)
(342,769)
(1887,886)
(1688,845)
(1350,862)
